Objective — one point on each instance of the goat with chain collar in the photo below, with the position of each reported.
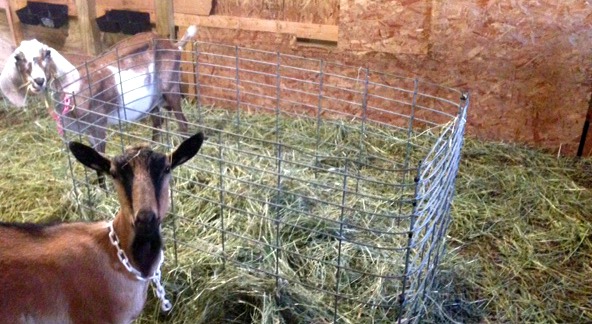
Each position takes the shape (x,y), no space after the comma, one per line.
(94,272)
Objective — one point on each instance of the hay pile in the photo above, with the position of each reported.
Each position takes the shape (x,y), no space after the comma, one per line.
(520,247)
(228,209)
(520,239)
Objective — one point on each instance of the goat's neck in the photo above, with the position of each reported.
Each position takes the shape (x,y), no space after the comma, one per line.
(67,73)
(67,83)
(143,250)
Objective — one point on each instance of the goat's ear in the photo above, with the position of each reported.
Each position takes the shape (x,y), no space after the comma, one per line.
(19,57)
(89,157)
(186,150)
(47,54)
(11,80)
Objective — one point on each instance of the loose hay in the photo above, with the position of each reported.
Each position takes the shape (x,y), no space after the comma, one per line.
(520,236)
(522,223)
(232,205)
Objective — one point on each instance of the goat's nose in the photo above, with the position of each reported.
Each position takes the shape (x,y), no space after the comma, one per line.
(39,81)
(146,222)
(146,216)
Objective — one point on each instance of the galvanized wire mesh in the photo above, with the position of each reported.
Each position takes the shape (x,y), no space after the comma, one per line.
(309,167)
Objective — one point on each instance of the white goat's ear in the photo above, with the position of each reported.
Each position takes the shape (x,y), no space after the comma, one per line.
(11,82)
(19,57)
(65,70)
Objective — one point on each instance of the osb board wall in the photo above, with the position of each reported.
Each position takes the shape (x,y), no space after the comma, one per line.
(306,11)
(396,27)
(526,64)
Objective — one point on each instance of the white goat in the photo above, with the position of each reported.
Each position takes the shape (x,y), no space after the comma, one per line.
(132,79)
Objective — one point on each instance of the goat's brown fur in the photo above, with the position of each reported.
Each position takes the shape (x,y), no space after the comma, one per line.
(70,273)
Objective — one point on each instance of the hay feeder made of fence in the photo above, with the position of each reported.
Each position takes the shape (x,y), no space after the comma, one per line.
(335,182)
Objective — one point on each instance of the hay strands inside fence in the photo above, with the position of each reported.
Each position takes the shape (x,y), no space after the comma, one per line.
(520,240)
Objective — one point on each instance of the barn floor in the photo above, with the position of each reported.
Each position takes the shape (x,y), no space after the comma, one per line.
(520,248)
(520,239)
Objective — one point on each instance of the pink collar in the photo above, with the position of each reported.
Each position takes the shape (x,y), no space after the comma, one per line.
(68,105)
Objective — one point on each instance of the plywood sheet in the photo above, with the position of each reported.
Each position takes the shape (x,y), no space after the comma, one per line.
(193,7)
(532,90)
(324,12)
(303,30)
(385,26)
(526,63)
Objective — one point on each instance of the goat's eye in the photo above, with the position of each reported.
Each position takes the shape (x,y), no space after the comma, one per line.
(167,169)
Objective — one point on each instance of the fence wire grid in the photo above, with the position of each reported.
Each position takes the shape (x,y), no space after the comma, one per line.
(332,178)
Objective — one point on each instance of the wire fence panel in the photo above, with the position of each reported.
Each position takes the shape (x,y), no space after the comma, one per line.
(326,177)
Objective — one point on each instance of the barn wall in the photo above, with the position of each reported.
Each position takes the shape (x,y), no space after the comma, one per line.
(526,63)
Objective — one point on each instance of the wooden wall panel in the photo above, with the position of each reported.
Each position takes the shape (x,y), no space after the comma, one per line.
(193,7)
(230,23)
(526,63)
(305,11)
(385,26)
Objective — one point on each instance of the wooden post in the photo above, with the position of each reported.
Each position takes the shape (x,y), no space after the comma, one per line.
(14,23)
(89,30)
(165,24)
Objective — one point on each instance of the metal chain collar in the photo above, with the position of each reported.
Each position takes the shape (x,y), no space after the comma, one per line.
(165,304)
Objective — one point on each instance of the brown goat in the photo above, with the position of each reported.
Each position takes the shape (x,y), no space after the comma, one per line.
(93,272)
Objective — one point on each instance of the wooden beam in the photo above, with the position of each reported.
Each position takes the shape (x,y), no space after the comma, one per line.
(194,7)
(89,35)
(301,30)
(14,23)
(163,11)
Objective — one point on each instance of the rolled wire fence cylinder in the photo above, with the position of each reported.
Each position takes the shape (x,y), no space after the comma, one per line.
(331,178)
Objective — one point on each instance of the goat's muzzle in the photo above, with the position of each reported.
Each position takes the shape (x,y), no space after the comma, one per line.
(40,82)
(146,222)
(38,85)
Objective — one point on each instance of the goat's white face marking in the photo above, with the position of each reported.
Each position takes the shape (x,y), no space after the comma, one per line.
(31,59)
(139,90)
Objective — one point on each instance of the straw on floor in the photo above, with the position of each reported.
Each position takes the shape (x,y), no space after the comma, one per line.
(519,244)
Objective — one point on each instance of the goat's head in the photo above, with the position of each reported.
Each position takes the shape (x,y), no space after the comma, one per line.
(29,69)
(33,64)
(141,177)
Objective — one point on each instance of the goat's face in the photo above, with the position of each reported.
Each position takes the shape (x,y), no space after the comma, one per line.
(141,177)
(33,63)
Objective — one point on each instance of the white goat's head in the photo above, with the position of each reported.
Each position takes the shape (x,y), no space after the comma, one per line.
(29,69)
